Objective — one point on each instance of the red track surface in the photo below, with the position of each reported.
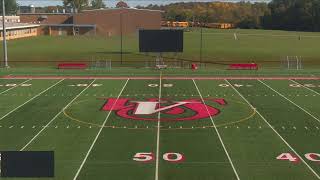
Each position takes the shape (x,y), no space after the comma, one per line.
(164,77)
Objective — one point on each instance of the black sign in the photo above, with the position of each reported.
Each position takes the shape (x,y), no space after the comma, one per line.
(161,40)
(27,164)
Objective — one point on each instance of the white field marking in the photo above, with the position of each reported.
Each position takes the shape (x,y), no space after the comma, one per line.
(290,100)
(156,177)
(30,100)
(275,131)
(216,129)
(15,86)
(98,134)
(305,87)
(44,127)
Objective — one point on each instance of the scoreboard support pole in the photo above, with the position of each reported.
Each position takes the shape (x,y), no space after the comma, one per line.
(121,40)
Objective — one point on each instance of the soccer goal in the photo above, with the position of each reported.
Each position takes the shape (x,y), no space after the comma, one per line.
(292,63)
(97,63)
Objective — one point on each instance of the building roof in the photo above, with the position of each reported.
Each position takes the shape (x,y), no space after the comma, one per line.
(46,13)
(114,9)
(70,25)
(18,26)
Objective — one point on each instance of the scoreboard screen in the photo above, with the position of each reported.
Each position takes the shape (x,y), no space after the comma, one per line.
(27,164)
(161,40)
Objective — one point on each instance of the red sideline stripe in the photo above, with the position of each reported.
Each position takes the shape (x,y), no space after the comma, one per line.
(243,66)
(72,66)
(168,77)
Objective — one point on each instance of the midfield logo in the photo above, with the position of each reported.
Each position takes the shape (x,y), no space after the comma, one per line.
(189,109)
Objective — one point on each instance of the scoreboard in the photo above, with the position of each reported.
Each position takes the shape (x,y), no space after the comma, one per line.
(27,164)
(169,40)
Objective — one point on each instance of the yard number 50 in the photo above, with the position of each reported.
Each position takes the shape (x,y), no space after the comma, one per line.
(148,156)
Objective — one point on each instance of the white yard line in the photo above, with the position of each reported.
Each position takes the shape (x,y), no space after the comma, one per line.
(44,127)
(219,136)
(30,100)
(15,86)
(97,136)
(158,131)
(290,101)
(305,87)
(275,131)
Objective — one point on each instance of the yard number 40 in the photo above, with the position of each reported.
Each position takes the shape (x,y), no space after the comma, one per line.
(314,157)
(148,157)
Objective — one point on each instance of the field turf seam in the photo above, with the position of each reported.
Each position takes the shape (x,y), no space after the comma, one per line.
(301,108)
(30,100)
(34,137)
(14,86)
(98,134)
(276,132)
(217,131)
(305,87)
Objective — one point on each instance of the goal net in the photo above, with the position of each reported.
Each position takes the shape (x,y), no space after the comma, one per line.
(292,63)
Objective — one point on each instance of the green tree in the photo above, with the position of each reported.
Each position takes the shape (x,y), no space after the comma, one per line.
(298,15)
(97,4)
(11,7)
(77,5)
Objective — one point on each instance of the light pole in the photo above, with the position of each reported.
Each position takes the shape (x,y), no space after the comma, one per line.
(5,53)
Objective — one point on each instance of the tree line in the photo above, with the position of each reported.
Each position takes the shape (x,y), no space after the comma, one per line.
(297,15)
(77,5)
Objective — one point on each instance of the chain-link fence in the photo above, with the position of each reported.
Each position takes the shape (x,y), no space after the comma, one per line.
(208,48)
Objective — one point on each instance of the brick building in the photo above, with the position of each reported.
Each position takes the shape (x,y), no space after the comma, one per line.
(16,30)
(19,30)
(104,22)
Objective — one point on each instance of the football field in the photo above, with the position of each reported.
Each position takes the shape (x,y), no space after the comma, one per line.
(162,128)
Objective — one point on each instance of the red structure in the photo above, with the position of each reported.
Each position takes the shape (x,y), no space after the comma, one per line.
(244,66)
(194,66)
(72,66)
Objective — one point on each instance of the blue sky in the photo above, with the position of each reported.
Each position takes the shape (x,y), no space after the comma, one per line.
(111,3)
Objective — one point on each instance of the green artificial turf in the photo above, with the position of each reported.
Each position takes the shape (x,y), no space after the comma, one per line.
(259,121)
